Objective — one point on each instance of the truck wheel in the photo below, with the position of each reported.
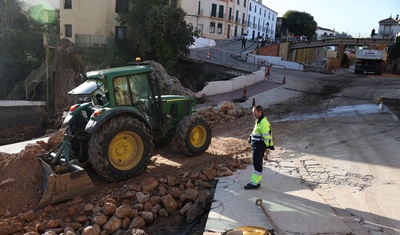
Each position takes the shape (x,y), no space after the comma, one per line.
(193,135)
(121,148)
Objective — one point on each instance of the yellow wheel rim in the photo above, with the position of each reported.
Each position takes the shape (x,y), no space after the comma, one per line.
(125,150)
(198,136)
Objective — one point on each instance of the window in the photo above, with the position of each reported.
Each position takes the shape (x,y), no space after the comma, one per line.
(230,13)
(237,16)
(214,10)
(120,33)
(67,4)
(244,3)
(122,92)
(68,30)
(219,28)
(221,11)
(238,2)
(255,9)
(250,7)
(198,8)
(243,18)
(121,6)
(212,27)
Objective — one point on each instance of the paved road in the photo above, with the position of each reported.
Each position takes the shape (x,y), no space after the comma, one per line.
(335,169)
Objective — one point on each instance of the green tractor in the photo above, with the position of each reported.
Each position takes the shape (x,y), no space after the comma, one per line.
(121,116)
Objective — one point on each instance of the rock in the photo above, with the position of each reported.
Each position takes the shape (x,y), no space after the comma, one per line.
(162,191)
(135,231)
(192,212)
(29,216)
(113,224)
(109,208)
(163,212)
(185,208)
(175,192)
(81,219)
(169,203)
(125,223)
(91,230)
(123,211)
(142,197)
(148,206)
(129,194)
(88,207)
(224,171)
(99,219)
(137,222)
(149,183)
(48,224)
(172,181)
(156,208)
(147,216)
(210,173)
(69,231)
(189,195)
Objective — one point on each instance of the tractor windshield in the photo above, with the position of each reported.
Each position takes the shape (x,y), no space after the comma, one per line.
(94,90)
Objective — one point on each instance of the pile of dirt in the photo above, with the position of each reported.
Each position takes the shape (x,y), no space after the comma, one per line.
(21,178)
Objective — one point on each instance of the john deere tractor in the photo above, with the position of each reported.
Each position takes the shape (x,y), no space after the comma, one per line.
(118,120)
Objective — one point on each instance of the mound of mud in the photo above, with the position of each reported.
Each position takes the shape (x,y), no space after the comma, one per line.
(21,177)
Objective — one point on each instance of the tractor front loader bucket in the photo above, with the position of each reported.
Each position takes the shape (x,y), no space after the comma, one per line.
(63,182)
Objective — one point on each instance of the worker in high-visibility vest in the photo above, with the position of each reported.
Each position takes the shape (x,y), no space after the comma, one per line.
(261,140)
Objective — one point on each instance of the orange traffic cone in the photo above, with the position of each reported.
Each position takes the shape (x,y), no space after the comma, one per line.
(284,80)
(208,55)
(244,96)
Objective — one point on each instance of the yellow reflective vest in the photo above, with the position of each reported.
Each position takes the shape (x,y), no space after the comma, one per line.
(262,131)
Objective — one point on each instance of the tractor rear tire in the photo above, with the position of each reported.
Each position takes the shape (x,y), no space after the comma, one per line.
(193,135)
(121,148)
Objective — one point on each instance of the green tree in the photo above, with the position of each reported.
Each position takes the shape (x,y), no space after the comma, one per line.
(299,23)
(157,31)
(394,51)
(343,35)
(21,46)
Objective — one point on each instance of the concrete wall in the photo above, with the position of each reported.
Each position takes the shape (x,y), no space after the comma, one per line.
(21,120)
(218,87)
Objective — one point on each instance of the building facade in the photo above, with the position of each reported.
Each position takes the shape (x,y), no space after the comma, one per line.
(261,20)
(324,33)
(389,28)
(91,23)
(224,19)
(216,19)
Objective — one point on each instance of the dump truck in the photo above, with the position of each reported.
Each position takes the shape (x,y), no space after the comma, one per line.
(370,61)
(119,117)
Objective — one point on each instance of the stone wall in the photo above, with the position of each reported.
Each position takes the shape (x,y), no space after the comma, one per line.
(21,120)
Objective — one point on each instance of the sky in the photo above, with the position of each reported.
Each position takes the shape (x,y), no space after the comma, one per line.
(354,17)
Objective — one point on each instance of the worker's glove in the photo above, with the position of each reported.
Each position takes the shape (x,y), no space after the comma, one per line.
(249,140)
(271,147)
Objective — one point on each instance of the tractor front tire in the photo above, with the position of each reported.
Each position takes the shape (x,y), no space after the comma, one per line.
(121,148)
(193,135)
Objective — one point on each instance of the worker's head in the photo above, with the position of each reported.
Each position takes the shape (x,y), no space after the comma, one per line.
(257,111)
